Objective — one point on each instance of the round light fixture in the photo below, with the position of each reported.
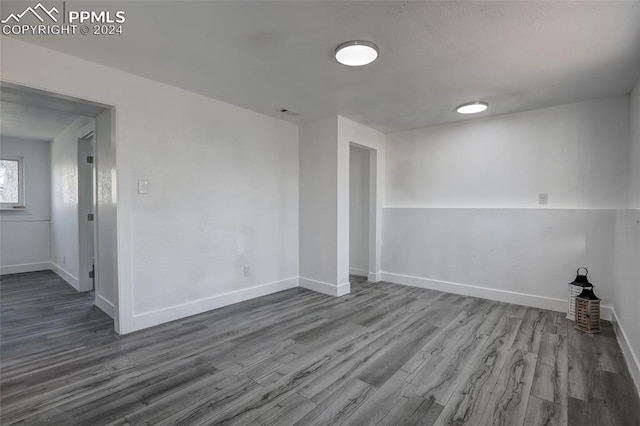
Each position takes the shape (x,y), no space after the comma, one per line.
(356,53)
(472,107)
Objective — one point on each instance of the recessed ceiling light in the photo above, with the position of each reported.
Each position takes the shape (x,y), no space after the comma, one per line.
(356,53)
(472,107)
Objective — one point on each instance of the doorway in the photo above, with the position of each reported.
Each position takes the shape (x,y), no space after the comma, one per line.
(68,146)
(359,210)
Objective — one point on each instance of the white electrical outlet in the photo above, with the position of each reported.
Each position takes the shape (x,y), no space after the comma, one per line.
(543,198)
(247,271)
(64,260)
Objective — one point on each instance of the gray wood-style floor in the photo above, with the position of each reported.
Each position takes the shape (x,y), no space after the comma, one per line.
(385,354)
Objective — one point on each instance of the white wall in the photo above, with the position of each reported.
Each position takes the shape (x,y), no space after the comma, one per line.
(461,202)
(64,202)
(634,151)
(627,252)
(531,252)
(358,211)
(223,189)
(318,205)
(324,201)
(576,153)
(24,243)
(106,272)
(627,287)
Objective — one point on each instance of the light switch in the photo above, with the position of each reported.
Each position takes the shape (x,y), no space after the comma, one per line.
(143,186)
(543,198)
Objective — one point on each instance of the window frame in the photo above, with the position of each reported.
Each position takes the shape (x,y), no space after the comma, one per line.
(20,205)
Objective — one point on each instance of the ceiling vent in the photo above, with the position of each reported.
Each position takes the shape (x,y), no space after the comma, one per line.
(288,112)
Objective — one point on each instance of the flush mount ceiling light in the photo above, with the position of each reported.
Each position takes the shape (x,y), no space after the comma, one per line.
(472,107)
(356,53)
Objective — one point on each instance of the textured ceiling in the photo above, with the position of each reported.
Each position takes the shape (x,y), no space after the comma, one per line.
(433,55)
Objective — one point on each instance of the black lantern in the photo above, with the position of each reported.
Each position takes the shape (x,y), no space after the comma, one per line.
(581,280)
(575,288)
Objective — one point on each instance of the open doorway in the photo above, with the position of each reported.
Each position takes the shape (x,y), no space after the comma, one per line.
(359,210)
(65,222)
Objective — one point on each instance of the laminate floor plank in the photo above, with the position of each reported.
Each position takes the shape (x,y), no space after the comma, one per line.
(339,405)
(541,412)
(453,334)
(379,407)
(438,378)
(594,413)
(211,401)
(384,354)
(515,311)
(413,410)
(586,381)
(530,333)
(472,396)
(610,356)
(287,412)
(355,355)
(622,400)
(380,367)
(556,323)
(510,395)
(199,398)
(551,378)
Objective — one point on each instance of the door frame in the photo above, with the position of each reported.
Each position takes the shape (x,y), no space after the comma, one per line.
(87,236)
(371,216)
(352,133)
(374,219)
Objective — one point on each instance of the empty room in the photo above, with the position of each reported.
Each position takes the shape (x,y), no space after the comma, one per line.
(320,212)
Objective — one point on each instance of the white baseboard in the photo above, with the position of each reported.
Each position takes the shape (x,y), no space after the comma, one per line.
(534,301)
(374,277)
(25,267)
(73,281)
(325,288)
(633,362)
(160,316)
(104,305)
(359,272)
(344,288)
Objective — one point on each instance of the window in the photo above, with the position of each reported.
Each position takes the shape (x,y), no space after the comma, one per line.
(11,183)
